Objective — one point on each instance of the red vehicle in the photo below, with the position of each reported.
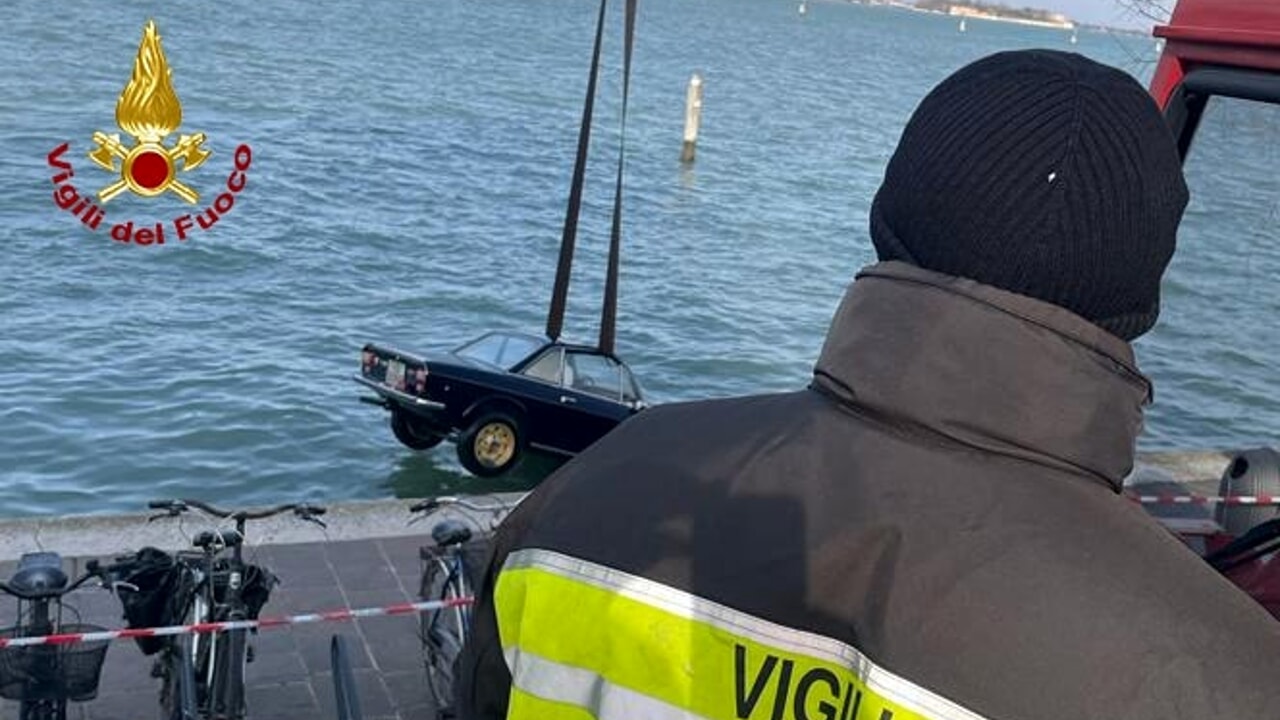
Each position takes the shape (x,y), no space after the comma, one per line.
(1216,50)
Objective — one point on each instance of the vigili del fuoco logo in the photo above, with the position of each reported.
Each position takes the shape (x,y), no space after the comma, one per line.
(146,164)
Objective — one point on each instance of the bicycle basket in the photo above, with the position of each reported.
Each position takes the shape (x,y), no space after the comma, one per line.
(52,672)
(156,602)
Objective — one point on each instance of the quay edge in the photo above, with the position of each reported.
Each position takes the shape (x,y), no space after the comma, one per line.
(102,535)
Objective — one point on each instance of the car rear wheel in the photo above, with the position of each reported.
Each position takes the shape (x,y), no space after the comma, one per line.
(413,433)
(492,445)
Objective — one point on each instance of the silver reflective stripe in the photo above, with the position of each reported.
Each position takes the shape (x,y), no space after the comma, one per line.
(583,688)
(677,602)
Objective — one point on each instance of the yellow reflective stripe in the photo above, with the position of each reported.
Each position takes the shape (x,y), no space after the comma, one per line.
(523,706)
(651,641)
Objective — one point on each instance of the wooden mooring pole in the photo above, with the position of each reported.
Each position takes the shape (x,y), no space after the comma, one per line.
(692,118)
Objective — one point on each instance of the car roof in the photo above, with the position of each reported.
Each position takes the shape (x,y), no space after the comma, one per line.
(513,333)
(544,343)
(578,347)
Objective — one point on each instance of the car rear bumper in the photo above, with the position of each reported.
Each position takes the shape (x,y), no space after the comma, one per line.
(404,399)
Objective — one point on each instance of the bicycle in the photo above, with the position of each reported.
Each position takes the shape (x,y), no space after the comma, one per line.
(447,574)
(44,678)
(203,675)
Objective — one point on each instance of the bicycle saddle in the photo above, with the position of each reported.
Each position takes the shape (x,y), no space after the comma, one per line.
(206,539)
(39,573)
(450,532)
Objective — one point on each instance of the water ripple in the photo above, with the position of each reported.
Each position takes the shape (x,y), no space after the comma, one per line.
(408,185)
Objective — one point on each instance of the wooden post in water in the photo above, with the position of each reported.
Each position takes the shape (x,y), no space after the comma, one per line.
(692,118)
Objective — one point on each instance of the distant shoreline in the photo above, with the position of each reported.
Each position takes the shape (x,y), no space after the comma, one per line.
(1069,24)
(1055,24)
(999,12)
(998,18)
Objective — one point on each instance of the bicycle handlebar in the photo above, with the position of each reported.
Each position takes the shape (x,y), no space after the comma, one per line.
(436,503)
(176,507)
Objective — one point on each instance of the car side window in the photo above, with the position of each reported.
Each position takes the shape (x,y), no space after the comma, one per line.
(630,390)
(547,367)
(595,374)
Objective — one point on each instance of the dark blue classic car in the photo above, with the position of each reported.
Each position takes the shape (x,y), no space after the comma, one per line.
(499,395)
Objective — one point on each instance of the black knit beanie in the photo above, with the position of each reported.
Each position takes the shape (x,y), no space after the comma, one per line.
(1043,173)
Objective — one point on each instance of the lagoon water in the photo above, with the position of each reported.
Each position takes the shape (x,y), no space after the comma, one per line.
(409,171)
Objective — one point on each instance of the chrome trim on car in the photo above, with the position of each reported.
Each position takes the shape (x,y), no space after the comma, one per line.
(403,397)
(551,449)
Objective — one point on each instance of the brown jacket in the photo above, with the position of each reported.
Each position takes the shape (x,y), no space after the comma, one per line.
(941,505)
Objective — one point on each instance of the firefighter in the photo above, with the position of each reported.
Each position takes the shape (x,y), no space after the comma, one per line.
(933,528)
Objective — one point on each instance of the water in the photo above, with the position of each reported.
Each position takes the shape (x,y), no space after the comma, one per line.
(410,164)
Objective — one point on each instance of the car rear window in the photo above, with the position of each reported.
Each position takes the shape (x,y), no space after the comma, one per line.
(517,348)
(501,349)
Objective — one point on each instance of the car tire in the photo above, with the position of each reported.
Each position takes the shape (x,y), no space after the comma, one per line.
(412,432)
(492,445)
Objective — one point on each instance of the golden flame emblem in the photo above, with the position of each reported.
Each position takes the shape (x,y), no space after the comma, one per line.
(149,110)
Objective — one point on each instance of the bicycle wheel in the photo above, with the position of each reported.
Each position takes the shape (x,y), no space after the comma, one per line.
(227,699)
(344,680)
(178,695)
(43,710)
(186,667)
(443,631)
(38,674)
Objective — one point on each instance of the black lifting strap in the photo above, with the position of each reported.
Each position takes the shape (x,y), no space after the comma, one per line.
(609,313)
(560,292)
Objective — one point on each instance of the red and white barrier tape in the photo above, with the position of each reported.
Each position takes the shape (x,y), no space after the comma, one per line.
(1205,499)
(217,627)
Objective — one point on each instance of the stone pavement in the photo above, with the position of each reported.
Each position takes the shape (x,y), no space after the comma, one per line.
(290,677)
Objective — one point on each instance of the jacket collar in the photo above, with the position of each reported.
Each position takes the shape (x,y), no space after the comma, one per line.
(990,369)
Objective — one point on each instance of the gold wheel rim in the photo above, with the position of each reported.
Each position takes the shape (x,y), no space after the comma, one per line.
(495,444)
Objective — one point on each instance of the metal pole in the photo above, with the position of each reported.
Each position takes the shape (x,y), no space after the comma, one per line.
(692,118)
